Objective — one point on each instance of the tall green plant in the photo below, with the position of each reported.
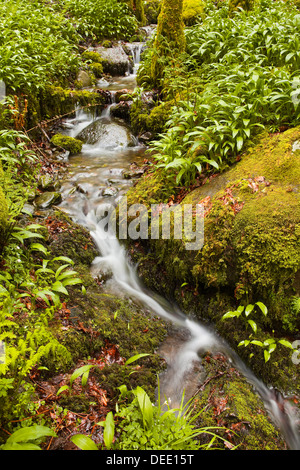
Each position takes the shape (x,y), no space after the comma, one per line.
(143,426)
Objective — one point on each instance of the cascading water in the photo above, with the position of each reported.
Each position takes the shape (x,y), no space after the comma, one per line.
(200,339)
(96,166)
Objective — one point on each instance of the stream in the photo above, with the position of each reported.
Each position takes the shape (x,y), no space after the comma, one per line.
(95,182)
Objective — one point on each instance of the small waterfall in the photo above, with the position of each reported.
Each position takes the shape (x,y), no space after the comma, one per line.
(136,49)
(81,120)
(106,111)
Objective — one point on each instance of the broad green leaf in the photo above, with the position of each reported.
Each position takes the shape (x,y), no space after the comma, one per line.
(267,355)
(269,341)
(58,287)
(272,347)
(109,430)
(231,315)
(286,343)
(253,325)
(83,442)
(249,309)
(72,281)
(245,343)
(21,446)
(62,389)
(262,307)
(38,247)
(239,143)
(145,406)
(65,274)
(80,371)
(63,258)
(30,433)
(135,358)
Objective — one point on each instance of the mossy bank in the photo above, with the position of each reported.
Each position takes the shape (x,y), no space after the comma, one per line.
(250,252)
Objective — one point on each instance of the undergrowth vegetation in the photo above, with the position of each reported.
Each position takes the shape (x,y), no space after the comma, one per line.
(36,45)
(102,19)
(239,75)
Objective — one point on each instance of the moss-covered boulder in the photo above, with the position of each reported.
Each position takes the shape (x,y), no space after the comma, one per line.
(68,143)
(251,250)
(232,406)
(55,101)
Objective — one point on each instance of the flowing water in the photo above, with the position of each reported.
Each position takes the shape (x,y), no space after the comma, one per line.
(96,180)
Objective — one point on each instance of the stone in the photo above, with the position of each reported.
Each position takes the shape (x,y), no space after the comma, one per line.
(110,192)
(106,134)
(122,95)
(121,111)
(115,61)
(47,181)
(47,199)
(28,209)
(84,78)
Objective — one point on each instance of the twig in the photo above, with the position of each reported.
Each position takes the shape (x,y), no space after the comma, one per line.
(207,381)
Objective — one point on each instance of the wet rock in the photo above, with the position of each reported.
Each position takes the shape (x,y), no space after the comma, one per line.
(47,199)
(121,111)
(115,61)
(31,195)
(146,137)
(84,78)
(106,134)
(110,191)
(48,182)
(134,171)
(122,95)
(28,209)
(81,188)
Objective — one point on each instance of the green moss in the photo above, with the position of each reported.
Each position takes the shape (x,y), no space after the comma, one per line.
(106,44)
(192,10)
(139,11)
(97,69)
(92,56)
(146,119)
(58,101)
(101,317)
(229,401)
(68,143)
(170,38)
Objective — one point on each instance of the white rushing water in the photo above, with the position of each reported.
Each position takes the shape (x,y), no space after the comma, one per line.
(200,339)
(113,258)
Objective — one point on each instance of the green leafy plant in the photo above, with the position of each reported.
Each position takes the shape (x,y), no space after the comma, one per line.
(37,44)
(141,426)
(268,345)
(24,438)
(244,312)
(237,78)
(102,19)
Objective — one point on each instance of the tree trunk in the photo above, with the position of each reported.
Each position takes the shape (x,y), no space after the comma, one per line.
(170,39)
